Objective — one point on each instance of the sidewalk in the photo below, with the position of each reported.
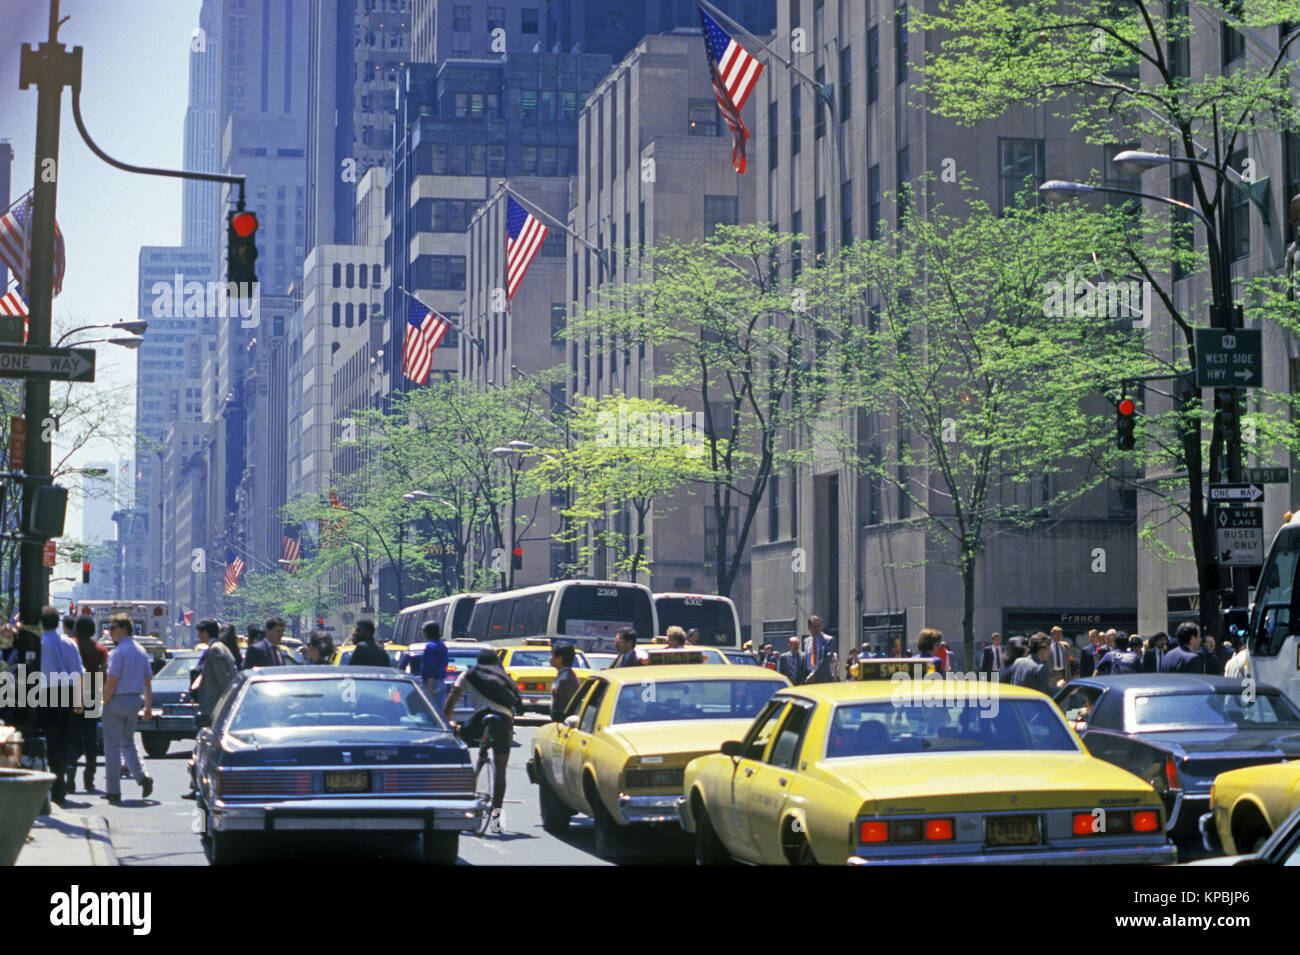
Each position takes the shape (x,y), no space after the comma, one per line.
(74,837)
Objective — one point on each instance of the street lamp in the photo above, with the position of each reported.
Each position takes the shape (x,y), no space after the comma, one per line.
(126,341)
(134,327)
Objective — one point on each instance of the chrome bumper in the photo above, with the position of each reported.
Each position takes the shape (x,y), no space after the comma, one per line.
(644,809)
(173,725)
(683,816)
(1209,832)
(1185,808)
(1118,855)
(376,815)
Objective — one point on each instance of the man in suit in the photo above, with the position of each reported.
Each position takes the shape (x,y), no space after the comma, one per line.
(1060,655)
(1187,656)
(1034,669)
(1216,655)
(820,658)
(1157,644)
(1088,655)
(264,650)
(625,647)
(791,664)
(991,656)
(367,652)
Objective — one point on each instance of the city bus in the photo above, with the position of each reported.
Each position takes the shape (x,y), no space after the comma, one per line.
(148,618)
(451,614)
(715,617)
(1273,634)
(585,613)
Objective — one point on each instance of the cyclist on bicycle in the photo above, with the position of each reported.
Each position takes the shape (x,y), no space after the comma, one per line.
(494,688)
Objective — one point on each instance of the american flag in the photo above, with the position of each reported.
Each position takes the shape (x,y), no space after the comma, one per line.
(424,330)
(524,237)
(734,74)
(291,553)
(15,304)
(184,617)
(15,244)
(234,570)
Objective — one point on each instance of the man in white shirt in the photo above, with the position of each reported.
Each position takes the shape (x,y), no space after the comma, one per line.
(1060,657)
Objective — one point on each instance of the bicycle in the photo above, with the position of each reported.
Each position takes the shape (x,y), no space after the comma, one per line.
(485,769)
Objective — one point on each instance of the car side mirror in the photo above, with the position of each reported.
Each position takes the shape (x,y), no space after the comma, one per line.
(732,747)
(571,721)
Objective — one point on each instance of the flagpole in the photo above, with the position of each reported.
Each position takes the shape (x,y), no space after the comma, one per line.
(474,338)
(602,255)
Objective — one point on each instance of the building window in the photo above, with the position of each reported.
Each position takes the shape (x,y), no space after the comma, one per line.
(794,14)
(774,507)
(1238,237)
(819,229)
(846,213)
(363,274)
(336,312)
(349,316)
(529,21)
(527,104)
(337,271)
(460,18)
(496,18)
(439,272)
(349,275)
(846,84)
(1020,172)
(873,64)
(904,186)
(773,136)
(904,490)
(796,120)
(558,313)
(1232,43)
(374,276)
(794,502)
(819,104)
(703,118)
(720,210)
(796,247)
(900,44)
(873,202)
(1179,27)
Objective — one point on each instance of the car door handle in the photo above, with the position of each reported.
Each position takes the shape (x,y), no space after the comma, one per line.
(749,771)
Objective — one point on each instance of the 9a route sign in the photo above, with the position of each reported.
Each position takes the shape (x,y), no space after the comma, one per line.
(1229,359)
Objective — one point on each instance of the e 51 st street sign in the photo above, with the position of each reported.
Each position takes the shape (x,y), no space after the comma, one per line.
(48,364)
(1237,492)
(1229,359)
(1240,536)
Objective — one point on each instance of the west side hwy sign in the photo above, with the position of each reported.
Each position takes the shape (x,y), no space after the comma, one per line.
(49,364)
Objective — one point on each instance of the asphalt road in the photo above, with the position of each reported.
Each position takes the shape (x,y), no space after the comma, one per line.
(157,831)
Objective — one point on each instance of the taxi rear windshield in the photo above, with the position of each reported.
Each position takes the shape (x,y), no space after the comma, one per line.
(542,658)
(692,700)
(342,702)
(876,729)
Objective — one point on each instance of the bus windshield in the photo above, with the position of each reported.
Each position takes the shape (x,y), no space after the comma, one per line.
(711,616)
(1271,624)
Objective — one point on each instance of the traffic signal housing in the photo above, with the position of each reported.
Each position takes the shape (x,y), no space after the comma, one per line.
(241,252)
(519,558)
(1125,422)
(85,572)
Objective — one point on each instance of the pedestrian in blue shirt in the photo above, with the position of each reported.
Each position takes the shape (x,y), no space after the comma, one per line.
(130,684)
(62,667)
(433,664)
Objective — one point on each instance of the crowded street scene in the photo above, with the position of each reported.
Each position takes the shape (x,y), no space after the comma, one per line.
(447,437)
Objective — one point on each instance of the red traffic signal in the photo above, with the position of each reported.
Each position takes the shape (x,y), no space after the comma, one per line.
(518,562)
(85,572)
(1126,407)
(519,552)
(244,224)
(1125,421)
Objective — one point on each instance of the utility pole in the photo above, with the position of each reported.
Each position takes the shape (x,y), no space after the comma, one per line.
(49,67)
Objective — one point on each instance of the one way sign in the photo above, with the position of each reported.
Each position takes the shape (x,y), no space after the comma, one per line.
(1240,536)
(1237,492)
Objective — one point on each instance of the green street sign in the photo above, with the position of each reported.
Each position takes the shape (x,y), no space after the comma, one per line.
(1264,475)
(11,328)
(1229,359)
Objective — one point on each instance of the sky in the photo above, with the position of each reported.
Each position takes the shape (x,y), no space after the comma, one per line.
(135,85)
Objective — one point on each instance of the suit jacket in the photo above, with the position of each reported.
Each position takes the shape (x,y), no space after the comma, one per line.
(260,654)
(990,659)
(1029,672)
(792,666)
(824,672)
(1179,660)
(367,653)
(1150,661)
(1087,661)
(628,659)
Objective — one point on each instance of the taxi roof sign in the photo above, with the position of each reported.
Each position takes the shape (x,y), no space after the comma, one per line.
(883,668)
(537,641)
(674,656)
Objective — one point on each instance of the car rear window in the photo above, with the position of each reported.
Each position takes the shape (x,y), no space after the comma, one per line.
(876,729)
(653,701)
(1227,709)
(333,702)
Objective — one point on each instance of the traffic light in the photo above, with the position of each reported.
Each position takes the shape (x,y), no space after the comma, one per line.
(320,622)
(519,558)
(1125,421)
(85,572)
(241,252)
(1229,420)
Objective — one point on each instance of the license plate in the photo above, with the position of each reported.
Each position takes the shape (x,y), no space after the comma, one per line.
(1012,831)
(357,781)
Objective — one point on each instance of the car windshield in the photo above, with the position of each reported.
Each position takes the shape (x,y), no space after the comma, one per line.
(334,702)
(742,659)
(1228,708)
(177,668)
(887,727)
(653,700)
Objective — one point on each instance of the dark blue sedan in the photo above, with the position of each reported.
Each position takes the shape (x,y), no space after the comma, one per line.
(355,749)
(1179,731)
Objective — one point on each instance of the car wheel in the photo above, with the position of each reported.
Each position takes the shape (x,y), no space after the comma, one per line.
(609,835)
(441,847)
(709,849)
(155,745)
(555,814)
(225,848)
(804,854)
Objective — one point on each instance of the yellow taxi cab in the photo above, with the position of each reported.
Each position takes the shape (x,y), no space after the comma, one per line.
(883,668)
(529,665)
(714,655)
(1247,804)
(902,771)
(627,735)
(343,655)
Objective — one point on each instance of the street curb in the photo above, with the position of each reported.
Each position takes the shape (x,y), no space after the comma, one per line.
(99,841)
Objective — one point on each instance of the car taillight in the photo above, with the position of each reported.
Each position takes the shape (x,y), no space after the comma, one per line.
(938,830)
(1146,820)
(873,832)
(1171,773)
(522,685)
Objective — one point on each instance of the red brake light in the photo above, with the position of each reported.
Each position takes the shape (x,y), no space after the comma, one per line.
(938,830)
(1083,823)
(873,832)
(1146,820)
(1171,773)
(522,685)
